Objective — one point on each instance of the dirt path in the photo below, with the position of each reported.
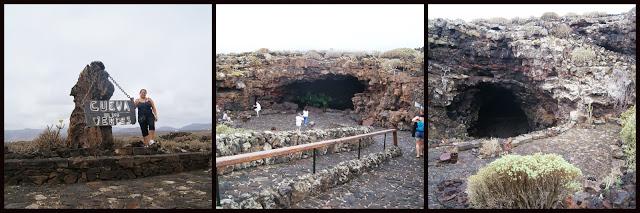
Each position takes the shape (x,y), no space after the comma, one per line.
(183,190)
(398,183)
(587,149)
(284,122)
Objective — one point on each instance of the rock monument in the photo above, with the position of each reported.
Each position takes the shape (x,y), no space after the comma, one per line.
(93,84)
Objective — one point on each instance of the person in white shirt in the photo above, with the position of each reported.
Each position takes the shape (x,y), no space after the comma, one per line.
(225,117)
(257,109)
(305,115)
(299,120)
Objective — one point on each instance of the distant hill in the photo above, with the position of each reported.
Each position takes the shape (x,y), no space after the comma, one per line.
(30,134)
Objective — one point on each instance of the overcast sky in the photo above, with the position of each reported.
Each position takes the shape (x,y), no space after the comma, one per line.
(166,49)
(244,28)
(472,11)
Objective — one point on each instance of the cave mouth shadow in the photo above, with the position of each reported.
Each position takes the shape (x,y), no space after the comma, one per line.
(337,90)
(499,115)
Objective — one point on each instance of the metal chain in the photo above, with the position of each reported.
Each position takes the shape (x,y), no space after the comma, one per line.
(114,81)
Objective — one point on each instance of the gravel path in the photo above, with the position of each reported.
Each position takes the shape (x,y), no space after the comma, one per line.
(183,190)
(285,122)
(587,149)
(382,187)
(399,183)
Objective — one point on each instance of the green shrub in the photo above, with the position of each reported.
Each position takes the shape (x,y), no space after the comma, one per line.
(549,16)
(513,181)
(582,55)
(628,135)
(316,100)
(595,14)
(400,53)
(224,129)
(312,54)
(561,31)
(571,14)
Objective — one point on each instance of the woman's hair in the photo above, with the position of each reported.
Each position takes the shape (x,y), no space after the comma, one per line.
(145,90)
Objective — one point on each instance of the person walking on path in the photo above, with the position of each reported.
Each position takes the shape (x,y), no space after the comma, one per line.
(299,120)
(257,108)
(419,120)
(305,115)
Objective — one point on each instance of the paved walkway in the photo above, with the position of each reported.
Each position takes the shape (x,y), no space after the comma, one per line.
(183,190)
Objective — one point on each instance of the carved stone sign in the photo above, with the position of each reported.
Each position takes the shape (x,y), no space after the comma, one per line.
(109,112)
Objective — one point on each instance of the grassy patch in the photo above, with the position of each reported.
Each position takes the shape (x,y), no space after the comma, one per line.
(224,129)
(628,135)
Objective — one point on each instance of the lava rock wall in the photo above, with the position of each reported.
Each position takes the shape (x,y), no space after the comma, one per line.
(239,143)
(560,69)
(392,84)
(291,191)
(78,170)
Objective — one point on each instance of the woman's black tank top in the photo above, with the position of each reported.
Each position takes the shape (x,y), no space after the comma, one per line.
(144,109)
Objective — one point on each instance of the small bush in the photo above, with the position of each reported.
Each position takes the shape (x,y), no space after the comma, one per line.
(50,138)
(570,14)
(582,55)
(595,14)
(499,20)
(22,147)
(549,16)
(388,65)
(332,54)
(562,31)
(628,135)
(400,53)
(173,135)
(312,54)
(224,129)
(237,73)
(490,148)
(513,181)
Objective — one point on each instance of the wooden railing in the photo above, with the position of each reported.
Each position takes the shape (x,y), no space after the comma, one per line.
(248,157)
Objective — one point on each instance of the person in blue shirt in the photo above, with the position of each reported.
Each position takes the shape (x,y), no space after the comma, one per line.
(419,120)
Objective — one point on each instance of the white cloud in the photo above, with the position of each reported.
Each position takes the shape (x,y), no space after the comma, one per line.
(243,28)
(164,48)
(469,12)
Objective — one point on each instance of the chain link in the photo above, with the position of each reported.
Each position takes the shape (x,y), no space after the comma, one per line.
(118,85)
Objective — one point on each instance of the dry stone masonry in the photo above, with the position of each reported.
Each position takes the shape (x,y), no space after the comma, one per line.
(86,169)
(557,69)
(239,143)
(290,191)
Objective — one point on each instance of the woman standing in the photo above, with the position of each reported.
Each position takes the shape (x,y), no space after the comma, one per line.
(147,116)
(419,120)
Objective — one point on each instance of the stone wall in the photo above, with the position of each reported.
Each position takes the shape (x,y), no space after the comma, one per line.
(392,83)
(84,169)
(239,143)
(291,191)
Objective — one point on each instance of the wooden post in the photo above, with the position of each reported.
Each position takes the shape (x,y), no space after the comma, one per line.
(395,138)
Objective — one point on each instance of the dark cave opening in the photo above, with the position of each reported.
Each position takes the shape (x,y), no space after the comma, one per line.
(499,114)
(333,91)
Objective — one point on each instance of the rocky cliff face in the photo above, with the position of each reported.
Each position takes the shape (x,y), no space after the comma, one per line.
(392,82)
(558,68)
(93,84)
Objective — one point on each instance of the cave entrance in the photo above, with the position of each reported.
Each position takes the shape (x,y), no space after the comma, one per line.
(332,91)
(499,115)
(491,110)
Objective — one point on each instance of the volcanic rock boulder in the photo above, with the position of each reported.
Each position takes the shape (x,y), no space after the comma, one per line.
(93,84)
